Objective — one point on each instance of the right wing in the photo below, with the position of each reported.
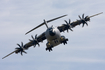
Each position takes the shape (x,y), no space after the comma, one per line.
(64,27)
(40,38)
(22,47)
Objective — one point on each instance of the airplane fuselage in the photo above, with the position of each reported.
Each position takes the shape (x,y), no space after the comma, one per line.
(52,34)
(54,38)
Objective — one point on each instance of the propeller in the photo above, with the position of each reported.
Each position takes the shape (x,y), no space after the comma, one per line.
(21,48)
(87,18)
(34,41)
(68,25)
(83,20)
(18,49)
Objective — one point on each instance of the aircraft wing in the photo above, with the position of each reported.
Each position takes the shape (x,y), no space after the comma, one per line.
(44,23)
(65,27)
(40,38)
(62,28)
(83,20)
(68,26)
(33,42)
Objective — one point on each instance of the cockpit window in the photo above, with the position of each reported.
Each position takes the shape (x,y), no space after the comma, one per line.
(50,28)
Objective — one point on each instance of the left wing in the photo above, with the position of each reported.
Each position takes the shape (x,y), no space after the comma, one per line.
(35,40)
(83,20)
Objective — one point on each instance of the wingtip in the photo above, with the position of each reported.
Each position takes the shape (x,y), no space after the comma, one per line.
(8,55)
(96,14)
(66,15)
(25,33)
(101,12)
(3,57)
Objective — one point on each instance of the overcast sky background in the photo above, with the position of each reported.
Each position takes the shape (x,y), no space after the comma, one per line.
(86,46)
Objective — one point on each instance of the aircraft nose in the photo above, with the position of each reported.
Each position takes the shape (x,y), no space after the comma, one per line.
(51,32)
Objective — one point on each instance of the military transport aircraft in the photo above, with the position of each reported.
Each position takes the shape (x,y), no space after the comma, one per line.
(52,34)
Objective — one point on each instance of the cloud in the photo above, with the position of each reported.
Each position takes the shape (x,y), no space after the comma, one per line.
(80,60)
(85,45)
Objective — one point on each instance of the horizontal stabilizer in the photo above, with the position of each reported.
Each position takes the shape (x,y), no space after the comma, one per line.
(44,23)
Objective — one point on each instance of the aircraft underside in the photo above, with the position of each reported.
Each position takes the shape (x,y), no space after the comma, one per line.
(56,42)
(52,34)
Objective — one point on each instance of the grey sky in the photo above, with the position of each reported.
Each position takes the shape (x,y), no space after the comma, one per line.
(86,46)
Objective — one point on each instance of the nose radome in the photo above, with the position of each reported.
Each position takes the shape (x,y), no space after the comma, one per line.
(51,32)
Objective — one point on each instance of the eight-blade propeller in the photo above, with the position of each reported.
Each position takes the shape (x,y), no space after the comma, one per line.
(21,48)
(34,41)
(83,20)
(68,25)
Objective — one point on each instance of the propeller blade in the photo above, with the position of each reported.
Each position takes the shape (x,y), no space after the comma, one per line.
(32,37)
(83,25)
(66,21)
(19,45)
(79,16)
(24,52)
(86,23)
(44,23)
(69,21)
(36,36)
(83,16)
(21,53)
(67,30)
(38,44)
(95,14)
